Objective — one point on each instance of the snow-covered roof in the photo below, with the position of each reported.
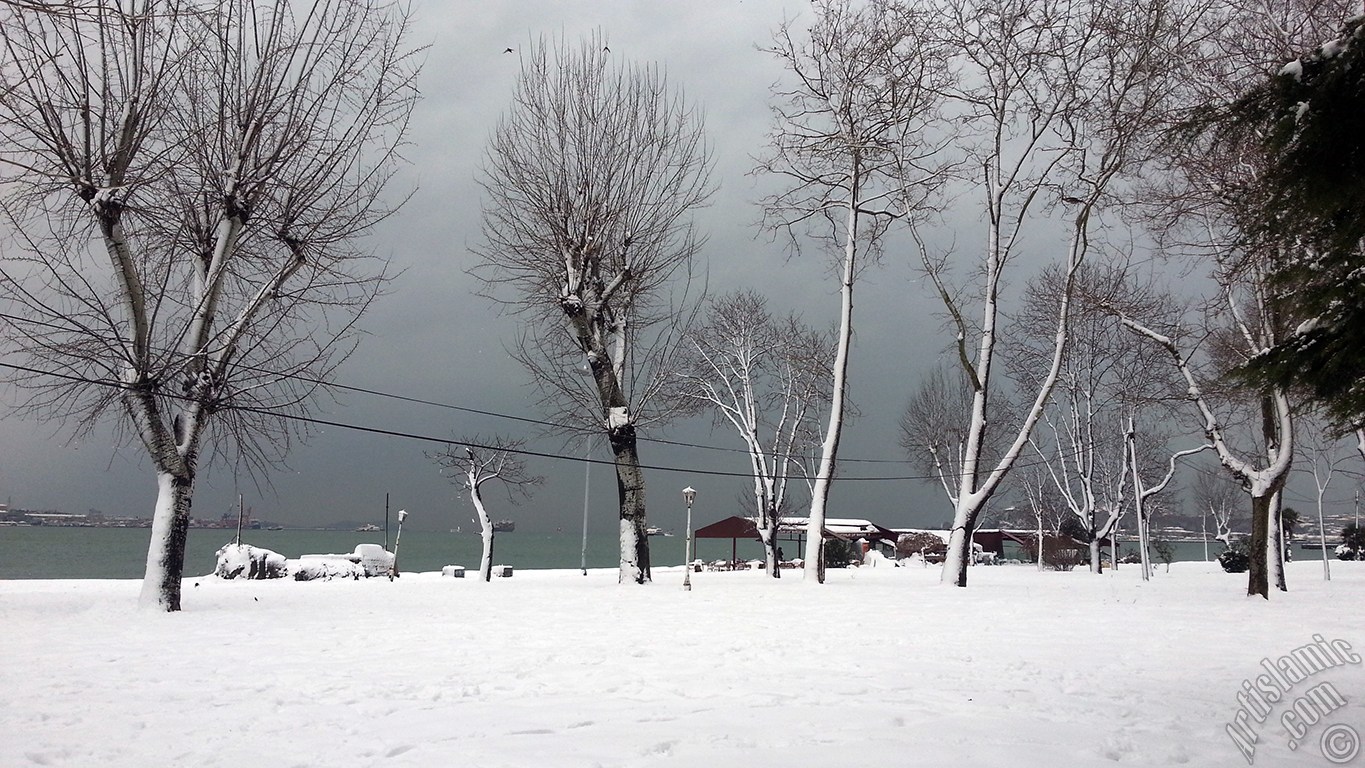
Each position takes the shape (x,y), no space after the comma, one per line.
(840,526)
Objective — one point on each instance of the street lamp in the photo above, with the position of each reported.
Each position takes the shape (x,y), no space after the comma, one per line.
(393,569)
(689,494)
(584,369)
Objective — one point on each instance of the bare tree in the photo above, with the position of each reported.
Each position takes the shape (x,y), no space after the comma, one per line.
(1058,103)
(1219,497)
(1321,447)
(932,433)
(769,380)
(474,463)
(1045,503)
(187,182)
(863,91)
(1262,473)
(589,180)
(1208,211)
(1107,377)
(1143,504)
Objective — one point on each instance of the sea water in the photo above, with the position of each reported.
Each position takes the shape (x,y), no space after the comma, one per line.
(43,552)
(47,552)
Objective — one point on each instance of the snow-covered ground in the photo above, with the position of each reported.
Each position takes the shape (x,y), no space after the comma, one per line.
(881,666)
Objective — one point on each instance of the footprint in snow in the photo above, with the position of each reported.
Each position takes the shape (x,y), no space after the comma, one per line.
(662,748)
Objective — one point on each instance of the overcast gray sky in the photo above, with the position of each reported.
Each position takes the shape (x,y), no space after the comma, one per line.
(431,338)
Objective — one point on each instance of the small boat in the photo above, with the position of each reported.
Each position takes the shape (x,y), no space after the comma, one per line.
(368,528)
(655,530)
(275,528)
(504,526)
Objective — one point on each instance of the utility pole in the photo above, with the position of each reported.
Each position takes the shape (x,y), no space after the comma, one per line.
(239,519)
(587,479)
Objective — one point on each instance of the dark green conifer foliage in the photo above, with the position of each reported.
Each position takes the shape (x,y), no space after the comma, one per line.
(1309,120)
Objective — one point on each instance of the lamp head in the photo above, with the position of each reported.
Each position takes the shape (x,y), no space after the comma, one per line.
(689,493)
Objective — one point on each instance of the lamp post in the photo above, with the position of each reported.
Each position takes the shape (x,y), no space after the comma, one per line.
(689,494)
(393,569)
(585,369)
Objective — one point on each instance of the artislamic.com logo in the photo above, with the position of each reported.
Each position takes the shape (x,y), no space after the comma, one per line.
(1306,702)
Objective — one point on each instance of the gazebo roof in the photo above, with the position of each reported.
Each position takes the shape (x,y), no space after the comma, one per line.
(733,527)
(736,527)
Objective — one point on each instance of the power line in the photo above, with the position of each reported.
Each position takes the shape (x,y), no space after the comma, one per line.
(429,438)
(475,411)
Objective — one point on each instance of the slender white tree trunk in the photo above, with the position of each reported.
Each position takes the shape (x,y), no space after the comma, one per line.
(829,448)
(1204,531)
(1144,538)
(1039,520)
(485,532)
(1322,537)
(1275,544)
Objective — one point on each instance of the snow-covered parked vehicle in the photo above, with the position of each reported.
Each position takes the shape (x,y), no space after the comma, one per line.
(248,562)
(367,560)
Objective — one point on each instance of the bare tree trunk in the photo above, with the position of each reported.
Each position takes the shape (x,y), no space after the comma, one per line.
(166,552)
(829,449)
(485,532)
(955,561)
(630,486)
(1258,576)
(768,533)
(1275,542)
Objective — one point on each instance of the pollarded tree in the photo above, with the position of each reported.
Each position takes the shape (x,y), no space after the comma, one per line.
(589,181)
(864,83)
(186,181)
(769,380)
(1056,104)
(474,463)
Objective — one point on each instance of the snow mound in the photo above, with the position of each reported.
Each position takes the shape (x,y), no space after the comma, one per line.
(243,560)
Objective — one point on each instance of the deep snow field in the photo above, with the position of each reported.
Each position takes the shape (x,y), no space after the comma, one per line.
(880,666)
